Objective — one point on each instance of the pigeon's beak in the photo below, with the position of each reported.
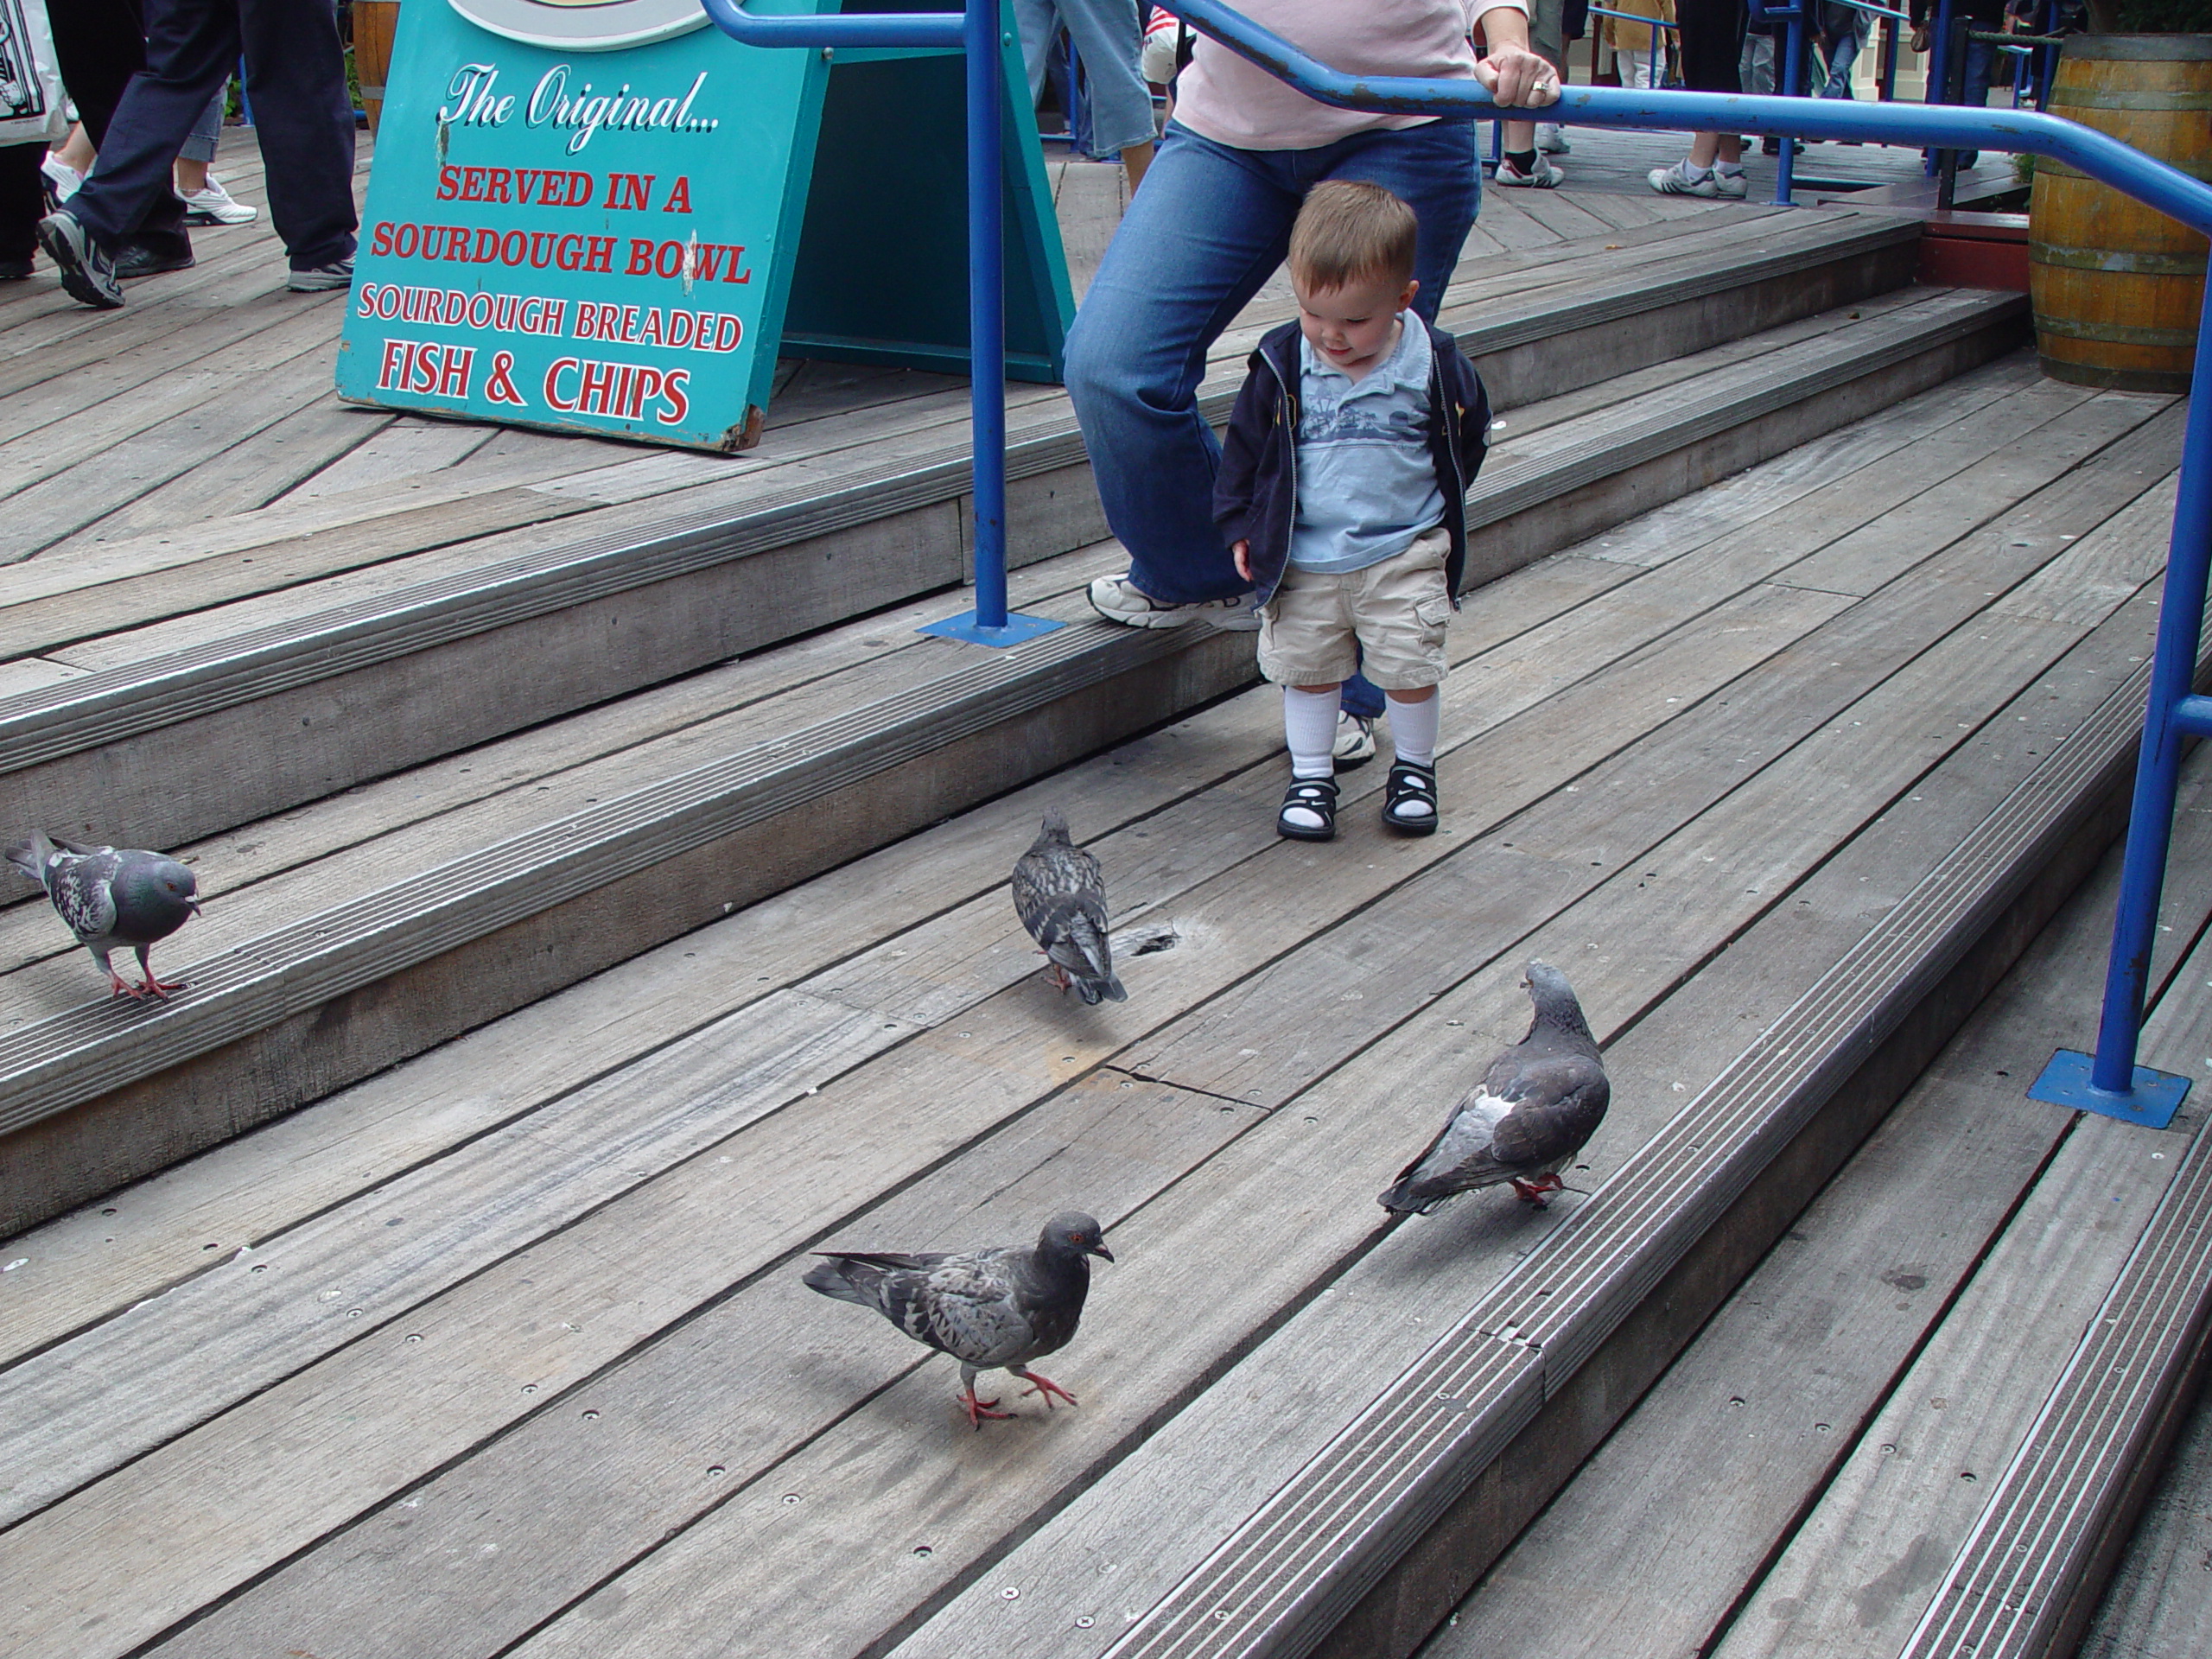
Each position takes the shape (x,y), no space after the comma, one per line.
(1100,1249)
(192,905)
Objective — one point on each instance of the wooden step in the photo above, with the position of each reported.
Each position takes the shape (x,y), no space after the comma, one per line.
(180,715)
(503,1351)
(1972,1219)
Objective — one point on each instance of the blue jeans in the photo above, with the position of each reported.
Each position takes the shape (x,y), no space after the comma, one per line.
(1210,226)
(1844,41)
(1107,34)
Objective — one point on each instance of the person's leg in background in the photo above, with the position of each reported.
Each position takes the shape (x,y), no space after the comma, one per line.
(1209,228)
(295,73)
(1528,143)
(206,201)
(22,202)
(100,45)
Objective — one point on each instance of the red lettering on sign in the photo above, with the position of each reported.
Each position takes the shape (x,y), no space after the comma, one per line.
(560,365)
(641,258)
(675,404)
(495,185)
(453,379)
(730,275)
(449,183)
(599,254)
(629,190)
(568,252)
(668,262)
(391,374)
(380,239)
(679,197)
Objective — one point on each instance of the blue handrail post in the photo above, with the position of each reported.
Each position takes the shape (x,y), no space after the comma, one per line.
(987,313)
(1791,83)
(2111,1082)
(977,30)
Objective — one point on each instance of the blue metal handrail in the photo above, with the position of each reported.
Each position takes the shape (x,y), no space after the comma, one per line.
(2109,1082)
(976,29)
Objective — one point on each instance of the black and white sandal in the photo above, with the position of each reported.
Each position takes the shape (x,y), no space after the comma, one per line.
(1411,788)
(1317,796)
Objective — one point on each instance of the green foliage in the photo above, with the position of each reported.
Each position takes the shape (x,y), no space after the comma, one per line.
(2165,16)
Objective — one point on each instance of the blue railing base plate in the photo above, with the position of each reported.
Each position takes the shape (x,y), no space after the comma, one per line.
(1018,629)
(2150,1104)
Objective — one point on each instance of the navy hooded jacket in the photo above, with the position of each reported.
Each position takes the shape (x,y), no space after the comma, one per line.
(1256,496)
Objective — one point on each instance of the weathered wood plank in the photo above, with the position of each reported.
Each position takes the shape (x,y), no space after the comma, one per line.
(1648,1547)
(2159,1604)
(1858,1573)
(1101,1557)
(979,1080)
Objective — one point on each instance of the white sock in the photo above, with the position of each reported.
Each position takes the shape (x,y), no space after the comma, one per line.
(1309,724)
(1731,168)
(1414,728)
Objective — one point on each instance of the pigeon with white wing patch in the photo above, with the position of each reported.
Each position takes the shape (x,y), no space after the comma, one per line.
(1536,1107)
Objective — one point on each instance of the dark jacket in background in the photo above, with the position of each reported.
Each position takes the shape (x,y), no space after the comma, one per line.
(1256,497)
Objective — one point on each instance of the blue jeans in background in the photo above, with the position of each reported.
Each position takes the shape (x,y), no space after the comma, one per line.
(1210,226)
(1107,36)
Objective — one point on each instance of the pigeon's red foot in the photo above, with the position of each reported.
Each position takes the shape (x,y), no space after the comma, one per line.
(979,1409)
(159,987)
(1533,1191)
(1060,978)
(1043,1385)
(119,986)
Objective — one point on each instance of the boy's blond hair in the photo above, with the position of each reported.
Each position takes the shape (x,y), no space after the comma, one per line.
(1351,232)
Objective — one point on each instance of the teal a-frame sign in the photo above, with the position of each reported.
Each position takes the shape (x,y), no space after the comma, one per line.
(611,219)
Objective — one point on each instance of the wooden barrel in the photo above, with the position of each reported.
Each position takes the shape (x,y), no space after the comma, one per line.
(2117,287)
(374,23)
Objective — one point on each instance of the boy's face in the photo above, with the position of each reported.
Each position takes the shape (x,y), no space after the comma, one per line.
(1355,327)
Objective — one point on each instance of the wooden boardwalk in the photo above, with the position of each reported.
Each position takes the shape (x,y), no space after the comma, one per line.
(502,1350)
(508,1343)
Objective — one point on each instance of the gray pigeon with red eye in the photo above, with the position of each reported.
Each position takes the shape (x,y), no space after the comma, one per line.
(993,1309)
(1061,895)
(112,899)
(1536,1107)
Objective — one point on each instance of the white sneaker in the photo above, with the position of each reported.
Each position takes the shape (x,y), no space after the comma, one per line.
(1542,176)
(1355,745)
(1733,186)
(1118,600)
(61,179)
(1550,139)
(1676,181)
(214,205)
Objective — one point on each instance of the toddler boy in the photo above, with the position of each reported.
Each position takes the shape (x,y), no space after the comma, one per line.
(1342,492)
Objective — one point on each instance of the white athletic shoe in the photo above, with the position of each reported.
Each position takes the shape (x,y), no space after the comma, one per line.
(1542,176)
(1676,181)
(215,205)
(1550,139)
(1118,600)
(61,179)
(1355,745)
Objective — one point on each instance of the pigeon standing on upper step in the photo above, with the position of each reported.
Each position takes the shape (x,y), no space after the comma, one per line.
(991,1309)
(1535,1108)
(111,898)
(1061,899)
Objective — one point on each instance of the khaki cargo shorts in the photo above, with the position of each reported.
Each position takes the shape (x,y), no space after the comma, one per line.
(1315,629)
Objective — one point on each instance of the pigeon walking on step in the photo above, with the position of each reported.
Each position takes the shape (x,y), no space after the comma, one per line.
(1061,899)
(993,1309)
(111,898)
(1535,1108)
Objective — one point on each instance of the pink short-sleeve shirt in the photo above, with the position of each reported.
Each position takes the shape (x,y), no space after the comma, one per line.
(1223,97)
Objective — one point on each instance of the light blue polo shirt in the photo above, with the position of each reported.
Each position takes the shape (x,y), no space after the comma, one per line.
(1366,480)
